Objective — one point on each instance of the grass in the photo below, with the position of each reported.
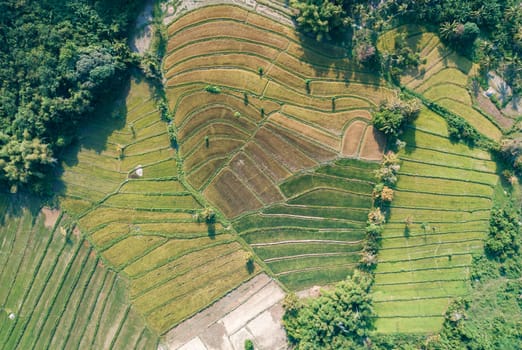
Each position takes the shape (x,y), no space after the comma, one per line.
(139,224)
(55,283)
(448,189)
(316,236)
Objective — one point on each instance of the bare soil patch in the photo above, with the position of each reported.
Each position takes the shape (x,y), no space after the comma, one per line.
(51,216)
(352,138)
(373,144)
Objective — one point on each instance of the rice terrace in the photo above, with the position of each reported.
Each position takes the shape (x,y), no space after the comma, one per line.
(261,174)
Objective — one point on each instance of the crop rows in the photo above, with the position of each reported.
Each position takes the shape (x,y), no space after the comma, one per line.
(145,226)
(52,285)
(316,235)
(279,105)
(439,218)
(444,78)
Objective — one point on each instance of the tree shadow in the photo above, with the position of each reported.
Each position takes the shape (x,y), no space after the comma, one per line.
(14,205)
(109,114)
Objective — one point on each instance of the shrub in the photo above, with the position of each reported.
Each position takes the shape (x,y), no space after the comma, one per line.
(504,235)
(249,345)
(213,89)
(394,115)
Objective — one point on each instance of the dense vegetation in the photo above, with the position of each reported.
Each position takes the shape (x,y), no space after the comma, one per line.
(338,319)
(57,58)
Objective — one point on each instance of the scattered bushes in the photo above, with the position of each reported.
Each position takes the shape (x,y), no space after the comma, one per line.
(249,345)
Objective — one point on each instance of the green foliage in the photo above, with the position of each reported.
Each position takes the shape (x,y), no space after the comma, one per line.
(504,234)
(213,89)
(58,58)
(249,345)
(323,19)
(394,115)
(173,134)
(338,319)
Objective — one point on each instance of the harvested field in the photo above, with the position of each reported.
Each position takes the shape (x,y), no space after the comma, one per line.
(140,223)
(352,138)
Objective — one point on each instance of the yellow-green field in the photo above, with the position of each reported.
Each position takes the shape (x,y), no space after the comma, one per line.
(59,292)
(446,191)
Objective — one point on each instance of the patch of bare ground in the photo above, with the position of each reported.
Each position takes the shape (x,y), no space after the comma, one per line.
(51,216)
(252,311)
(373,144)
(489,107)
(352,138)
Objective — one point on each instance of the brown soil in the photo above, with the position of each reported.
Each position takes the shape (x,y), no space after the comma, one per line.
(51,216)
(373,144)
(352,138)
(487,106)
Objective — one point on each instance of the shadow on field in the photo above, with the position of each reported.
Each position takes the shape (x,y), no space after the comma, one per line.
(13,205)
(108,115)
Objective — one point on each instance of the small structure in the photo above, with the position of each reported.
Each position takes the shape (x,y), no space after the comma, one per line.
(12,316)
(136,173)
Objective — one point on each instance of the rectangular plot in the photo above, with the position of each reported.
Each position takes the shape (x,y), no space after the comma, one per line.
(421,252)
(147,145)
(140,186)
(105,215)
(333,198)
(442,186)
(374,93)
(348,172)
(132,201)
(130,248)
(268,164)
(217,147)
(278,221)
(292,249)
(438,171)
(424,325)
(459,273)
(180,266)
(398,215)
(309,262)
(299,184)
(171,249)
(311,148)
(422,290)
(301,280)
(425,200)
(448,159)
(288,155)
(131,162)
(255,179)
(278,235)
(431,238)
(130,332)
(429,307)
(209,275)
(167,168)
(351,214)
(404,265)
(231,195)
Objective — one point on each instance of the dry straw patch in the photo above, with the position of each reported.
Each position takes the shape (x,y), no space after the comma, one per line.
(352,138)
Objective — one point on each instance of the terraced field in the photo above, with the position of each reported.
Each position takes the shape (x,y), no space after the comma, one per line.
(446,191)
(61,295)
(443,78)
(315,237)
(145,226)
(254,104)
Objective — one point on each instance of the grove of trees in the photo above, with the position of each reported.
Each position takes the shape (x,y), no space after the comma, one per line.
(58,57)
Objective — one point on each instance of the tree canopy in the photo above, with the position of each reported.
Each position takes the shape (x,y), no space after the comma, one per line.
(57,57)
